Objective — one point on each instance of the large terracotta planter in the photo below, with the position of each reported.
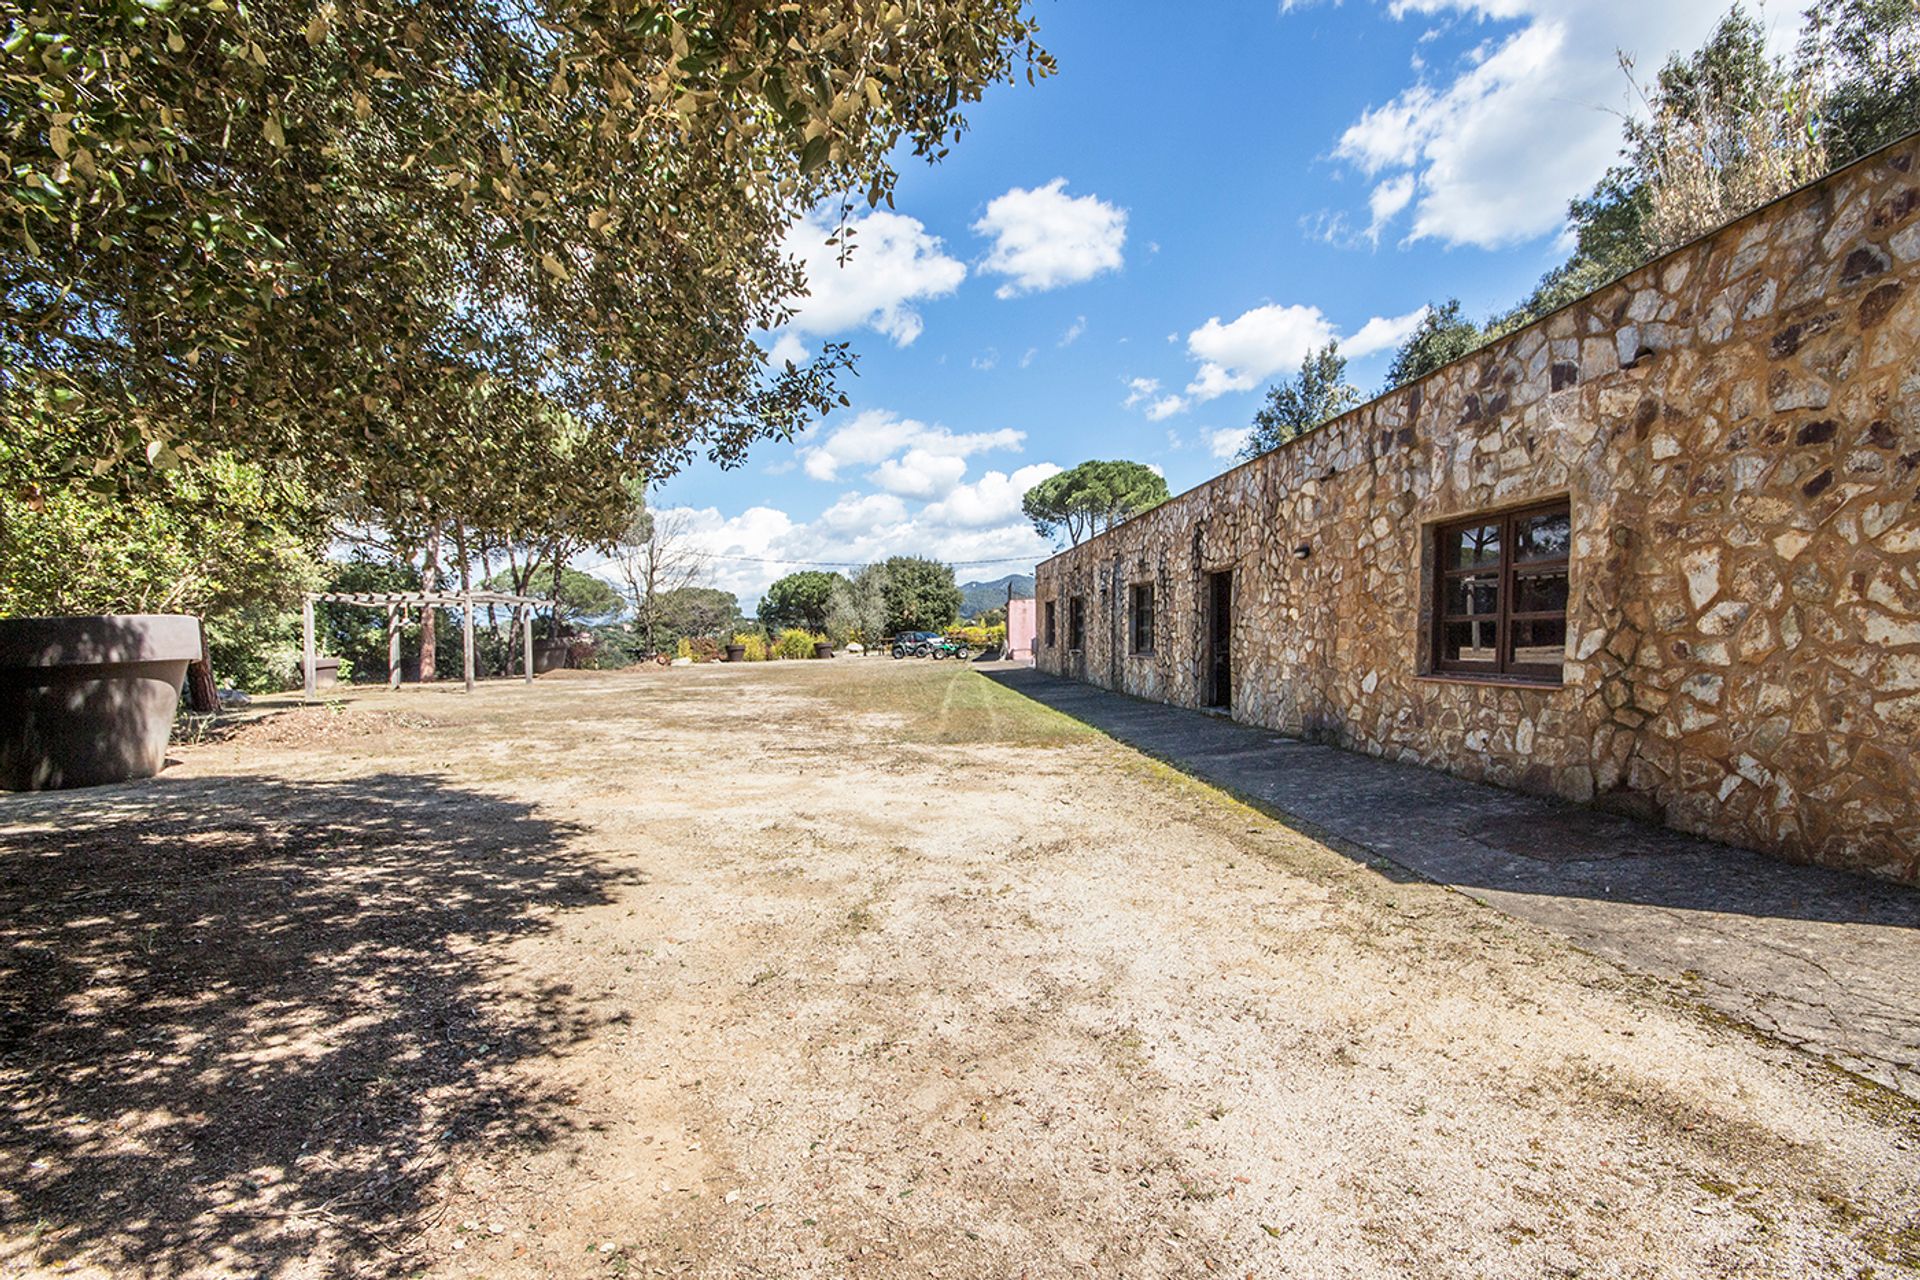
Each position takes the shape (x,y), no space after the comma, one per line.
(549,655)
(89,700)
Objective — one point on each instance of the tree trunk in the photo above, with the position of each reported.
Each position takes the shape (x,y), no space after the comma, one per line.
(429,581)
(486,577)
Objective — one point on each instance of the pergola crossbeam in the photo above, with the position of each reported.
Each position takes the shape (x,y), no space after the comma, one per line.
(397,602)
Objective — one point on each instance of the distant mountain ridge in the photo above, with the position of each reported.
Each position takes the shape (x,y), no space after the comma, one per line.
(978,597)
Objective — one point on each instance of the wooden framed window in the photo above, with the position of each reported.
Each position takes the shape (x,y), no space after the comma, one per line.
(1500,594)
(1077,622)
(1140,617)
(1052,638)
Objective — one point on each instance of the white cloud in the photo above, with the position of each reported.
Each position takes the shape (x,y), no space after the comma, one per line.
(1165,407)
(1228,441)
(977,522)
(1139,389)
(892,263)
(788,349)
(919,473)
(1240,354)
(1044,238)
(1529,120)
(992,499)
(1027,358)
(1385,203)
(1074,330)
(1382,333)
(864,511)
(1244,352)
(986,359)
(874,435)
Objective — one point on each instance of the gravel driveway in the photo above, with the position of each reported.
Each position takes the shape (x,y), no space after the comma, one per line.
(853,968)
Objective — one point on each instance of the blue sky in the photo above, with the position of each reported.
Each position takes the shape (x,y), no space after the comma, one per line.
(1117,261)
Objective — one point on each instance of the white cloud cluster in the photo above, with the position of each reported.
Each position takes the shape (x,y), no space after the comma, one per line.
(975,522)
(892,262)
(916,500)
(1530,119)
(1228,441)
(1044,238)
(1242,353)
(912,457)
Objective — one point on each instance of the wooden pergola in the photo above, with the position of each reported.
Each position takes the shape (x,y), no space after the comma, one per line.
(397,602)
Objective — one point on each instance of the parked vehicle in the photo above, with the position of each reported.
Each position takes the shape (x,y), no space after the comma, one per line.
(945,648)
(914,644)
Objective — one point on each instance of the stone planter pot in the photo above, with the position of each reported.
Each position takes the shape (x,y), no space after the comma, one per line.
(85,701)
(326,673)
(736,653)
(823,650)
(549,655)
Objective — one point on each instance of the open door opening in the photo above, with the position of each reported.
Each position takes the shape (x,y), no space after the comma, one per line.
(1219,656)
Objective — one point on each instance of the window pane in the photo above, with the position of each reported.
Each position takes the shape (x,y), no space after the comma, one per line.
(1540,644)
(1469,642)
(1540,592)
(1477,594)
(1542,537)
(1472,548)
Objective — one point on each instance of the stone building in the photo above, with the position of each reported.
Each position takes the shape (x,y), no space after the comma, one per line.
(1659,550)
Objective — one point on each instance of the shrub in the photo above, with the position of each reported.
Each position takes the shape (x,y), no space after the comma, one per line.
(704,648)
(684,649)
(980,637)
(754,643)
(795,643)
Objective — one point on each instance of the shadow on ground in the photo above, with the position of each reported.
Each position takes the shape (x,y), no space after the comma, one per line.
(1468,834)
(1822,960)
(245,1022)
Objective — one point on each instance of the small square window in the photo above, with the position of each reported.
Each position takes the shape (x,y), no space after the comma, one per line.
(1500,594)
(1140,617)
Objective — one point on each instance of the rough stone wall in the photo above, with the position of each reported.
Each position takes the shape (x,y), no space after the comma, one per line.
(1737,429)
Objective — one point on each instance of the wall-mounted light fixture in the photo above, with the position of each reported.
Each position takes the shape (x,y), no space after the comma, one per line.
(1302,551)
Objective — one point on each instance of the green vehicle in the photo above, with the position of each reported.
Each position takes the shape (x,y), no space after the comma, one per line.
(945,648)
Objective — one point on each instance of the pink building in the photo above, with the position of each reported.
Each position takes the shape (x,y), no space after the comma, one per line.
(1021,630)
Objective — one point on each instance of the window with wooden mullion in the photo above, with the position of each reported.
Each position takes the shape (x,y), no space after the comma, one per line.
(1501,594)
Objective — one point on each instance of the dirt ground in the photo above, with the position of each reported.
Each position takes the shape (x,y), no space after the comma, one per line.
(853,968)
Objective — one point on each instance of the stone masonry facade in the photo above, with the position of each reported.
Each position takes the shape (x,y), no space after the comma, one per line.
(1735,432)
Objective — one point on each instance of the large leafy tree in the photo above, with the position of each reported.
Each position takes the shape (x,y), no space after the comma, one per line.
(319,232)
(920,594)
(1729,127)
(1442,336)
(692,611)
(858,608)
(1320,391)
(1092,497)
(1867,53)
(799,600)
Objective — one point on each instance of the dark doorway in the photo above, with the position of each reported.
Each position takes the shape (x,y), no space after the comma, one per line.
(1219,655)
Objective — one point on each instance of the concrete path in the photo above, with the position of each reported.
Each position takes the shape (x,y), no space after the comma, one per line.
(1821,959)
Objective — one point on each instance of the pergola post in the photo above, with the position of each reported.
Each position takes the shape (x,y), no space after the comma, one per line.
(393,646)
(526,641)
(306,647)
(466,638)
